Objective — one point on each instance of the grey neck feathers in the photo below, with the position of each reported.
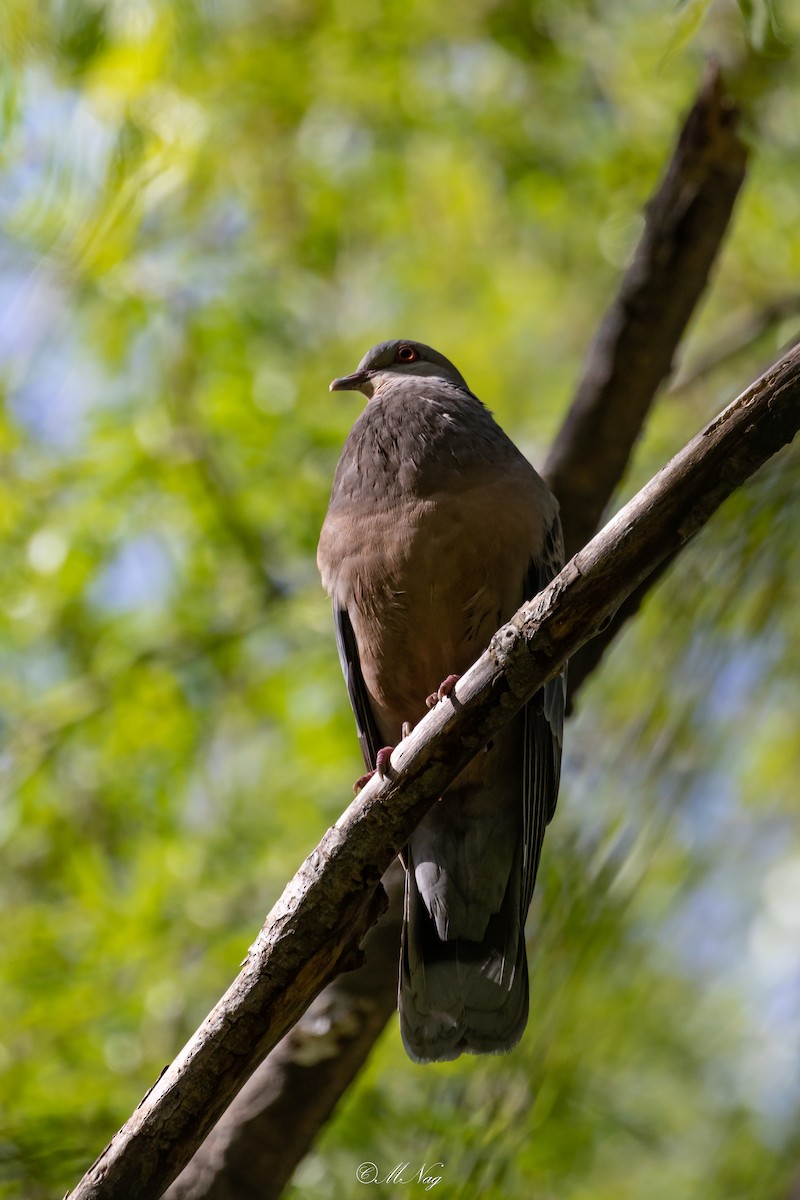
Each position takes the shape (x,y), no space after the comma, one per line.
(412,436)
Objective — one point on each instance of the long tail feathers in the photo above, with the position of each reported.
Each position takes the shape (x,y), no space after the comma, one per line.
(461,996)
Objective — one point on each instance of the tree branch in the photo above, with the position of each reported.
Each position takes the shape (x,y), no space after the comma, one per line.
(268,1127)
(633,350)
(634,347)
(315,928)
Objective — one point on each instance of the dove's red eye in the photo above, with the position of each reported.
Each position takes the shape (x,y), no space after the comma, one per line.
(406,354)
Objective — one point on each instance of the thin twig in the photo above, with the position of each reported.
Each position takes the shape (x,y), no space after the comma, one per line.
(736,340)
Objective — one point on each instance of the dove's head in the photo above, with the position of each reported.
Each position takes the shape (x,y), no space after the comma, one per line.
(390,362)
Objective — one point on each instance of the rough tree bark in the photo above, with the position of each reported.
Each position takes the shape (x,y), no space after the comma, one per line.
(686,221)
(316,928)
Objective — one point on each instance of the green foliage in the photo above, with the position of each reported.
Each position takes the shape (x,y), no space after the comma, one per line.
(208,211)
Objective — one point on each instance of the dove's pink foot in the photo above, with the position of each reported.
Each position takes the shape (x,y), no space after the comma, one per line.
(444,689)
(381,763)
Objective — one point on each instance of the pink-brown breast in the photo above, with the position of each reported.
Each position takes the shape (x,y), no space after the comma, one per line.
(426,581)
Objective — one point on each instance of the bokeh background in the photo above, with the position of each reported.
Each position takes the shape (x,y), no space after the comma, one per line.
(207,211)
